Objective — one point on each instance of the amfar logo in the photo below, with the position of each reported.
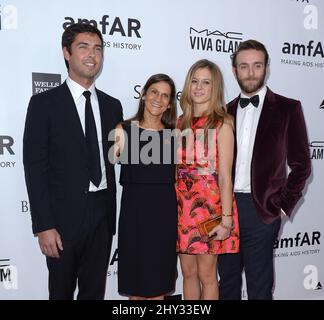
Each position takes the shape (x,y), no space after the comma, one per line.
(8,274)
(45,81)
(299,240)
(128,27)
(317,150)
(311,280)
(311,49)
(204,39)
(8,17)
(110,26)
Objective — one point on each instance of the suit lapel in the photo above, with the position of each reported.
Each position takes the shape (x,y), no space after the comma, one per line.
(266,117)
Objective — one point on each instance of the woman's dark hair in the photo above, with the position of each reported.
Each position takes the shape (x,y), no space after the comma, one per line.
(170,115)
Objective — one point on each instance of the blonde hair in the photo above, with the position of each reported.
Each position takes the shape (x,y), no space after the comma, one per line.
(217,107)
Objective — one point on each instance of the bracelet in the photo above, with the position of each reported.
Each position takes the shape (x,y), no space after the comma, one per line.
(227,214)
(226,227)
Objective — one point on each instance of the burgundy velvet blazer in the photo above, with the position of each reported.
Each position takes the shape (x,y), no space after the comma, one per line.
(281,139)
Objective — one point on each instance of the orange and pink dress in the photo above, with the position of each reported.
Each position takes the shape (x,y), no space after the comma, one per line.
(198,193)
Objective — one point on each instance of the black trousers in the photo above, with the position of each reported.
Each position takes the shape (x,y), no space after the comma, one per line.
(255,257)
(84,260)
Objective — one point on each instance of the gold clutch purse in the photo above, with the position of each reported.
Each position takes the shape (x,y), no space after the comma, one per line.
(208,225)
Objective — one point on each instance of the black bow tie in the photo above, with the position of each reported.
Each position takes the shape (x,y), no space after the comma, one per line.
(245,101)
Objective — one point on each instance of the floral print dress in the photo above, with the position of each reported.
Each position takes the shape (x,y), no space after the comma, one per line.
(198,193)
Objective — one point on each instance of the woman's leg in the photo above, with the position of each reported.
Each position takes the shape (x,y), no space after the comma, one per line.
(208,277)
(191,284)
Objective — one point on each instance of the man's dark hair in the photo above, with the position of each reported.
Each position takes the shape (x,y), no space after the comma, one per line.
(247,45)
(72,31)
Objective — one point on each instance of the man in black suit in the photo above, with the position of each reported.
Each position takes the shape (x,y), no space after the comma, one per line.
(270,134)
(70,182)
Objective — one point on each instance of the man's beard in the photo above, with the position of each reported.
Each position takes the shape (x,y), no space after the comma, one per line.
(251,87)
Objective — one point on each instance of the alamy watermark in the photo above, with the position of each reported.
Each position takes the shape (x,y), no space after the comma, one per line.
(178,147)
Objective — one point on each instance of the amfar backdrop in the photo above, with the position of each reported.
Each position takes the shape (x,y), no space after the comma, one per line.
(142,38)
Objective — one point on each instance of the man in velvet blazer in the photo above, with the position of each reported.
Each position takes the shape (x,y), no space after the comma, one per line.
(270,134)
(73,216)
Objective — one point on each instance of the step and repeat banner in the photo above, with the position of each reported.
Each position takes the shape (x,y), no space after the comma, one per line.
(142,38)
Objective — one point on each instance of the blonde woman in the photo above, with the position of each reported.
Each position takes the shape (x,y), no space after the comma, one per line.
(204,182)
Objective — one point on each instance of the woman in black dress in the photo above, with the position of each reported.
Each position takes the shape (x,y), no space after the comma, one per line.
(147,259)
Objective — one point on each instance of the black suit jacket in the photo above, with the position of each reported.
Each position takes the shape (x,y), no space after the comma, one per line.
(55,160)
(281,139)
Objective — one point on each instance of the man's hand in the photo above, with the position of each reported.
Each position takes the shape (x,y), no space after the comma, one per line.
(49,241)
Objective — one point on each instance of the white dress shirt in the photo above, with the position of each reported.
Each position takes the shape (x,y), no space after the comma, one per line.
(80,100)
(247,120)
